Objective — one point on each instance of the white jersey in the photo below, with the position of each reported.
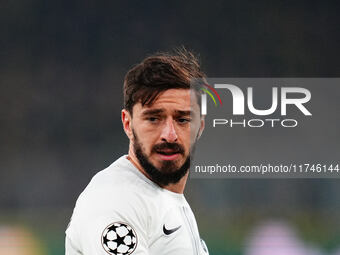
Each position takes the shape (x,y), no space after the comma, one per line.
(122,212)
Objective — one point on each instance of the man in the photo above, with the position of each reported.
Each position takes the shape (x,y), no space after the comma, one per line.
(136,205)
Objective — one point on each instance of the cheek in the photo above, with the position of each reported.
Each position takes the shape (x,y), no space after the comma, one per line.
(187,139)
(145,136)
(146,143)
(143,144)
(194,132)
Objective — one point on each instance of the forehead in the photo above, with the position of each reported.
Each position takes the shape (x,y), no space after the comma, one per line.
(173,100)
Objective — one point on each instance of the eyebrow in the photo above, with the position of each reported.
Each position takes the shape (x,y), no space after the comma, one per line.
(158,111)
(183,113)
(152,111)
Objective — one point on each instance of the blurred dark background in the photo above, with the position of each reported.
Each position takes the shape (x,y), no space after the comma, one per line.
(62,66)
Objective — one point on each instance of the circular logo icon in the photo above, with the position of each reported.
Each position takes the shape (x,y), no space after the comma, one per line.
(119,239)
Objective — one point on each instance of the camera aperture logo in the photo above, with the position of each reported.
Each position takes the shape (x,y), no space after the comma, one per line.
(204,97)
(243,104)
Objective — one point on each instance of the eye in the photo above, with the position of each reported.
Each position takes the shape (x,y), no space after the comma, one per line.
(184,120)
(152,119)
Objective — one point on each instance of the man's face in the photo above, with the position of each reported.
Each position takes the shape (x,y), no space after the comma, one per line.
(164,134)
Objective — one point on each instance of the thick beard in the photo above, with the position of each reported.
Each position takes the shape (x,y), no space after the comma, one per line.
(167,173)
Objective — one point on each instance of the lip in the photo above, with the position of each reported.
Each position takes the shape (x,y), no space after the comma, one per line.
(169,157)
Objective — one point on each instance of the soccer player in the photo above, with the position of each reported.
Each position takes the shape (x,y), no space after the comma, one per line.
(136,205)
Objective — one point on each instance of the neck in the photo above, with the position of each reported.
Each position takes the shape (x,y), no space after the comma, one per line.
(173,187)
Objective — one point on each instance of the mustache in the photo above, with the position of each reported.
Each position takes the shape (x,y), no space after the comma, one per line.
(175,147)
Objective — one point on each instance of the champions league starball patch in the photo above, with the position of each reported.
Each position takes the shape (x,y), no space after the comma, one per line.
(119,239)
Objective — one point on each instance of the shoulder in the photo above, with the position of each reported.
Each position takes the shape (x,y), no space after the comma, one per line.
(118,187)
(115,195)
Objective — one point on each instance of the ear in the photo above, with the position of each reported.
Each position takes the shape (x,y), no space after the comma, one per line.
(200,131)
(127,123)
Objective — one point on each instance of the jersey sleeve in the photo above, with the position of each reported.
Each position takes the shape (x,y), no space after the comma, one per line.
(109,222)
(70,248)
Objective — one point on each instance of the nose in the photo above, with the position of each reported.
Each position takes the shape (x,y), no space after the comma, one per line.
(169,132)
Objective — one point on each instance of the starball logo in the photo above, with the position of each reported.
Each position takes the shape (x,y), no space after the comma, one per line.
(243,101)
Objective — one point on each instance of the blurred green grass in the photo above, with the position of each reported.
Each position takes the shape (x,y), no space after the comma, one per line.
(224,234)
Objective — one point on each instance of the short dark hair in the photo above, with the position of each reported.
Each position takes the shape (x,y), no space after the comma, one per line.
(157,73)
